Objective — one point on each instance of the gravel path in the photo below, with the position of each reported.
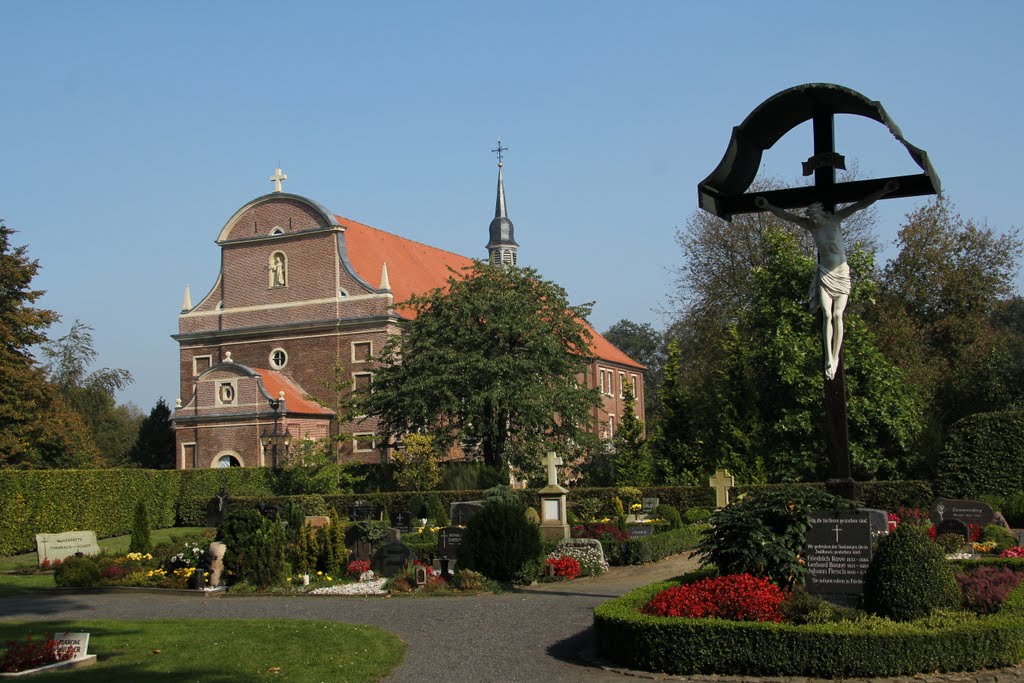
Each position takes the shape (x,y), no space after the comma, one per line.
(533,634)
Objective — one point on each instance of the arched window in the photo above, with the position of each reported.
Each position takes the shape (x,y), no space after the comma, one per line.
(278,267)
(278,359)
(228,461)
(278,230)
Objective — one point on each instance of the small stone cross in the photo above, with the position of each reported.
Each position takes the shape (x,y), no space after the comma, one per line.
(551,460)
(721,483)
(277,178)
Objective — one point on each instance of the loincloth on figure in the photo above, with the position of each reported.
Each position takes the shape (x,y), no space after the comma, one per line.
(835,283)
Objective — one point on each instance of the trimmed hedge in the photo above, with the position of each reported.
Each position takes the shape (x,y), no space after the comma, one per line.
(883,495)
(656,546)
(872,648)
(984,454)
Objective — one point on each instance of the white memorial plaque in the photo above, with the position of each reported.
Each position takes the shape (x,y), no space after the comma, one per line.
(78,642)
(54,547)
(551,510)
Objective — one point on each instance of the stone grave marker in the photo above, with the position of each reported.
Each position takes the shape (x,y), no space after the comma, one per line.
(460,513)
(838,551)
(363,511)
(78,642)
(220,508)
(967,511)
(641,530)
(359,548)
(54,547)
(318,521)
(403,522)
(953,526)
(448,541)
(878,520)
(721,482)
(647,505)
(391,558)
(592,543)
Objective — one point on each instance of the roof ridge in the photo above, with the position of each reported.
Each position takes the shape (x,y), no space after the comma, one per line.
(407,239)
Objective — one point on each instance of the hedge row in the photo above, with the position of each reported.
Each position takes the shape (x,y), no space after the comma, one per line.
(49,501)
(52,501)
(656,546)
(871,648)
(984,454)
(883,495)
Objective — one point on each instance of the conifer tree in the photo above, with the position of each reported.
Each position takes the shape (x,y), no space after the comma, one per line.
(632,456)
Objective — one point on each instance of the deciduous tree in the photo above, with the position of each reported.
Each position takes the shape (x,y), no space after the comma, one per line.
(491,362)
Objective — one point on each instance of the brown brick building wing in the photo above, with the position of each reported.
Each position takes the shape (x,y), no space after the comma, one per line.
(304,297)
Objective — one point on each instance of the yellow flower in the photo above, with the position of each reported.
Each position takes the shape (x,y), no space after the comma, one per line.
(330,579)
(319,573)
(288,579)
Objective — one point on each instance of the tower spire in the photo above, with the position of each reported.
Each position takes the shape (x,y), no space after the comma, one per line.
(502,247)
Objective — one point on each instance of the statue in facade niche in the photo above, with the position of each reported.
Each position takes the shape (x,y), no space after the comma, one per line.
(830,288)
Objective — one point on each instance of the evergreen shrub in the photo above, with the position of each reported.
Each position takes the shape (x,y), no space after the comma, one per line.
(77,572)
(1002,537)
(909,577)
(501,544)
(140,541)
(670,515)
(984,454)
(255,548)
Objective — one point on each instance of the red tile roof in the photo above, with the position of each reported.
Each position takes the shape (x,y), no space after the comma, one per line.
(295,398)
(415,268)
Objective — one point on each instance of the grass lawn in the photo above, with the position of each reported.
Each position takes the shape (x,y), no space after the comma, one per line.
(20,584)
(224,650)
(114,544)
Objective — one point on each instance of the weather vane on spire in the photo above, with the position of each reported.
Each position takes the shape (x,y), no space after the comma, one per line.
(499,149)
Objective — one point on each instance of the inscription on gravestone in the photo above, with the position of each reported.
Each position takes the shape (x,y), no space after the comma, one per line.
(967,511)
(640,530)
(448,541)
(54,547)
(363,511)
(403,522)
(838,551)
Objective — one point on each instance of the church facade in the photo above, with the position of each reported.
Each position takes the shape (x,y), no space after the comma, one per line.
(303,300)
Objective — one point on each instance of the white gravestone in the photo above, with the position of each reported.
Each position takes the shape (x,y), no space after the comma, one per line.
(54,547)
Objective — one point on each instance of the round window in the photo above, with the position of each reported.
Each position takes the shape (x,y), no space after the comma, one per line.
(227,393)
(278,359)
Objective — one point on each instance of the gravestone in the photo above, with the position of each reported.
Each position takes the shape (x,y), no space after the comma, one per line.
(838,552)
(448,541)
(355,540)
(55,547)
(318,521)
(391,558)
(721,482)
(641,530)
(364,511)
(215,558)
(403,522)
(460,513)
(878,520)
(953,526)
(967,511)
(647,505)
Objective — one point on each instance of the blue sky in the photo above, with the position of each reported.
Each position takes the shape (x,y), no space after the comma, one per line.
(130,132)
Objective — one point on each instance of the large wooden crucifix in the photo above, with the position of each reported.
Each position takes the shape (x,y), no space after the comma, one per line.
(724,193)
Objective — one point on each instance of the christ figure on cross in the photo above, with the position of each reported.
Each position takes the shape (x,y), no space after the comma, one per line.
(830,288)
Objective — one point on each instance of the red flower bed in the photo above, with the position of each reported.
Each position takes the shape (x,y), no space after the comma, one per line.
(740,597)
(357,567)
(985,589)
(600,531)
(32,654)
(564,567)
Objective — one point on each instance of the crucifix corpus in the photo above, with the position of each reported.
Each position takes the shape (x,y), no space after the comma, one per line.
(724,193)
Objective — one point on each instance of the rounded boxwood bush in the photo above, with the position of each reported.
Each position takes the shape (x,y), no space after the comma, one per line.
(502,544)
(77,572)
(909,577)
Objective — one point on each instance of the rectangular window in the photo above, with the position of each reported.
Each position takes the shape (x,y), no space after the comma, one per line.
(189,457)
(201,364)
(361,383)
(365,442)
(611,426)
(622,384)
(636,387)
(361,351)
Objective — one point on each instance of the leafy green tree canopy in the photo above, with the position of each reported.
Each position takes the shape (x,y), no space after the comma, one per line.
(491,362)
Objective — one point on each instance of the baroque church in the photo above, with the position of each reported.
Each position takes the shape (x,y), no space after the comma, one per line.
(303,300)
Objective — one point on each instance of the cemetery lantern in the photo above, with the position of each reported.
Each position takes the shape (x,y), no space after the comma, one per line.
(273,440)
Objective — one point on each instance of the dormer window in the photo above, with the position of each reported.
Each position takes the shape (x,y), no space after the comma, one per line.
(277,230)
(278,267)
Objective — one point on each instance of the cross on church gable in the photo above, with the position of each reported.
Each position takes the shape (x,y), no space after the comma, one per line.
(277,178)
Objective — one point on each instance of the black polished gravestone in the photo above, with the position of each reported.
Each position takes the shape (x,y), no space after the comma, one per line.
(391,559)
(403,522)
(460,513)
(967,511)
(363,511)
(640,530)
(449,540)
(355,540)
(838,552)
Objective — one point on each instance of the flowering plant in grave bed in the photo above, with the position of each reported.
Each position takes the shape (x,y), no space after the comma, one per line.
(740,597)
(591,561)
(565,568)
(808,642)
(32,654)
